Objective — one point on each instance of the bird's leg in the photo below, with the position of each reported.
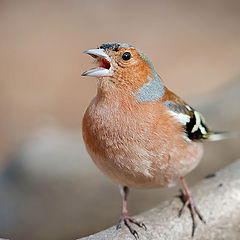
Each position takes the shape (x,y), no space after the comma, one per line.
(124,218)
(188,202)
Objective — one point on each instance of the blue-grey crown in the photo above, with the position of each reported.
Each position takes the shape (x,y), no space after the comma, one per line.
(114,46)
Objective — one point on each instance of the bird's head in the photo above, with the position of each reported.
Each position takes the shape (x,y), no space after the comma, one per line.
(121,65)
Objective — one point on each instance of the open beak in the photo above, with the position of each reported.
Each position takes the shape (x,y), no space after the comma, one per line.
(103,60)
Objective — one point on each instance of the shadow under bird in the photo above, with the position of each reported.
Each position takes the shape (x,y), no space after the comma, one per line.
(138,132)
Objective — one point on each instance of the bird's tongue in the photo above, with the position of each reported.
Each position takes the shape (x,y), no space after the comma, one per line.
(103,63)
(101,71)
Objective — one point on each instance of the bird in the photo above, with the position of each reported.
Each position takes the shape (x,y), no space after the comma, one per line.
(138,132)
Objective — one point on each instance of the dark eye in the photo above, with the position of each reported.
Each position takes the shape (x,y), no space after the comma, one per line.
(126,56)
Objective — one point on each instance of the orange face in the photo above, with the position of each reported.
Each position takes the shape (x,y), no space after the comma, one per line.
(120,65)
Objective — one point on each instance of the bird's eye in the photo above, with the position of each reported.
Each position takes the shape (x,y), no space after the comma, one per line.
(126,56)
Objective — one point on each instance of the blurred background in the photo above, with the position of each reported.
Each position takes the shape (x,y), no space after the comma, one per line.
(49,187)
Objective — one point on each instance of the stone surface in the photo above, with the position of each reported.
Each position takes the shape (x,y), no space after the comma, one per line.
(218,199)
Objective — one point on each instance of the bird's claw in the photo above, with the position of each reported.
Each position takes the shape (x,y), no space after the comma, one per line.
(127,221)
(134,233)
(188,202)
(139,224)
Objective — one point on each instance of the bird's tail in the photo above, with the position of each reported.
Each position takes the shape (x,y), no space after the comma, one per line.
(217,136)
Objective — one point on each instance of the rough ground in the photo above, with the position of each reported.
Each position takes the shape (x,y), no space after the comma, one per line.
(218,199)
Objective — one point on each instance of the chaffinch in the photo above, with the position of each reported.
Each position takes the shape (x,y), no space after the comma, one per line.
(138,132)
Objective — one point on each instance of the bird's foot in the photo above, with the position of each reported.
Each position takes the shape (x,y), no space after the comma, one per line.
(188,202)
(127,221)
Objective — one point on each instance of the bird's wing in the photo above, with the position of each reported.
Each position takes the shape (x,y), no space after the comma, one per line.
(192,121)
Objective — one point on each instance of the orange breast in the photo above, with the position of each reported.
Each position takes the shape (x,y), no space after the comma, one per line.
(138,145)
